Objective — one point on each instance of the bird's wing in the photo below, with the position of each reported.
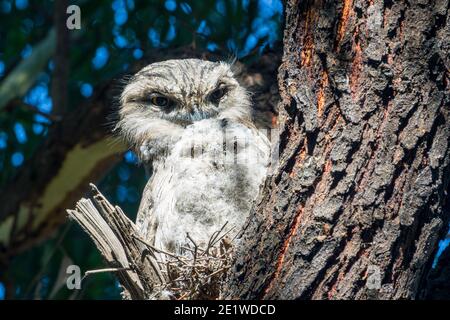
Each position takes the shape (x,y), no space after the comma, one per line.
(159,190)
(145,219)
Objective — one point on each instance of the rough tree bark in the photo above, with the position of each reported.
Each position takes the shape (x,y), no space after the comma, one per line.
(356,207)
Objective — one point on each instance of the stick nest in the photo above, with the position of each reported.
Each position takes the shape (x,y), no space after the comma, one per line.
(146,272)
(198,272)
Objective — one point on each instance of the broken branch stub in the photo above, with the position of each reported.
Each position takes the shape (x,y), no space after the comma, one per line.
(147,272)
(114,235)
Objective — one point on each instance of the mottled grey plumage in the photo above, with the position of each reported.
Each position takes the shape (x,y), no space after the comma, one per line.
(191,120)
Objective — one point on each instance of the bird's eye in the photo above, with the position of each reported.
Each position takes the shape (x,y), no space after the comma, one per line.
(217,94)
(160,101)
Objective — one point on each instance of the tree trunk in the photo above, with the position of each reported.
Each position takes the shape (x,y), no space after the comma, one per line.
(356,206)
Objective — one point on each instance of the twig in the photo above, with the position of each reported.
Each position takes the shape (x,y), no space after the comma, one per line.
(214,236)
(89,272)
(223,236)
(218,271)
(195,246)
(157,250)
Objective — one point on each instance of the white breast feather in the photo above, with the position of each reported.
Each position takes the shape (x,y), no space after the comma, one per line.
(197,188)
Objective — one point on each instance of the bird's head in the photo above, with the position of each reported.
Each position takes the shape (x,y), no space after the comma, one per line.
(165,97)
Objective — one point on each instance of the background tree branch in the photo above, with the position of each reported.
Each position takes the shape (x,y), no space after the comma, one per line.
(61,59)
(20,80)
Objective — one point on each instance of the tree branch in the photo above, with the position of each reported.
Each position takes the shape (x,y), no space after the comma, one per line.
(61,59)
(115,237)
(20,80)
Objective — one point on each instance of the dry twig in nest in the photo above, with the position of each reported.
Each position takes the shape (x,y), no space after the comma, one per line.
(199,272)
